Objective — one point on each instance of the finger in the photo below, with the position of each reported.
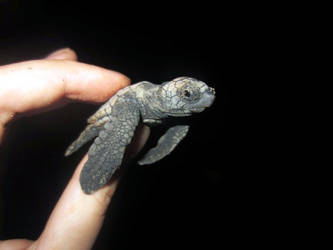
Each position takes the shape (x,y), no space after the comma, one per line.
(63,54)
(78,217)
(4,118)
(15,244)
(38,83)
(33,85)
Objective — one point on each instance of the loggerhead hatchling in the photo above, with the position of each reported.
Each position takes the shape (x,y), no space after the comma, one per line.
(114,124)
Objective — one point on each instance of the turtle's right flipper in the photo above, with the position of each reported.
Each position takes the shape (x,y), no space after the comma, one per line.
(166,144)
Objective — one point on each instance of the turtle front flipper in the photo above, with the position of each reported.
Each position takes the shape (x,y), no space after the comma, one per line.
(88,134)
(166,144)
(106,153)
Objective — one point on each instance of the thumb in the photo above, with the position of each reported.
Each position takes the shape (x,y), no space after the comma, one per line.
(77,218)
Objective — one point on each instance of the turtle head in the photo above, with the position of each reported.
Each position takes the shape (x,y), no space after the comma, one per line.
(185,95)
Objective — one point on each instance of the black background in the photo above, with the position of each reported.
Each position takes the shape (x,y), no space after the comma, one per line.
(190,198)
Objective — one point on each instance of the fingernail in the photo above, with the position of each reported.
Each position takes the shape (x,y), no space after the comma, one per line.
(62,54)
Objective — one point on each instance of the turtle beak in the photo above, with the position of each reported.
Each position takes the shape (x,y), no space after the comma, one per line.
(211,91)
(206,101)
(208,98)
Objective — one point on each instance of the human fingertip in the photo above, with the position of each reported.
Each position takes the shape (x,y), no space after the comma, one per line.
(117,78)
(112,82)
(125,81)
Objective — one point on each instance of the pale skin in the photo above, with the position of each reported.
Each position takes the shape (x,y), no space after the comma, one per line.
(36,86)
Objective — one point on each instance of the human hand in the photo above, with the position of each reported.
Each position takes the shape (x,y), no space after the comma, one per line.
(39,85)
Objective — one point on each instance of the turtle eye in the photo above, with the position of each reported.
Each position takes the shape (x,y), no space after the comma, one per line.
(187,93)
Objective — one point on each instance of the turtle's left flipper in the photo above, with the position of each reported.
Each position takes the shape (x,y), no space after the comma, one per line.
(165,144)
(106,153)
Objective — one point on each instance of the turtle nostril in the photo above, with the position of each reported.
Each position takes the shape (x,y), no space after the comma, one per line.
(211,90)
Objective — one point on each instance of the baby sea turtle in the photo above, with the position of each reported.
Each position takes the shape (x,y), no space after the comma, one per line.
(114,124)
